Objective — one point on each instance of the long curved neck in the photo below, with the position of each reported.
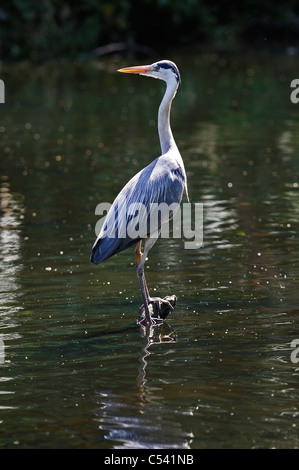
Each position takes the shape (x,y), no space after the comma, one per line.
(165,134)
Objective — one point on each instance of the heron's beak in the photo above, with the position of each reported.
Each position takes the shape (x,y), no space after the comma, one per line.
(138,69)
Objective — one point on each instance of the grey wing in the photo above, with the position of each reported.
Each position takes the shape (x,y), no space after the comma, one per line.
(147,201)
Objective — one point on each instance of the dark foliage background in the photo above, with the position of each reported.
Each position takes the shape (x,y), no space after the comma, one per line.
(68,28)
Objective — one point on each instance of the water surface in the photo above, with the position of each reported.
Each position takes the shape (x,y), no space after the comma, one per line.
(78,371)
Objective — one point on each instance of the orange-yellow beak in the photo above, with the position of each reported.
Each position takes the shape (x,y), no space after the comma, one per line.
(137,69)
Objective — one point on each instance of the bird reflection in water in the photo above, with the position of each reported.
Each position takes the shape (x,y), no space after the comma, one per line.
(128,420)
(160,332)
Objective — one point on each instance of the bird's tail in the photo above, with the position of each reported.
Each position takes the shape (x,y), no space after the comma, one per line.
(94,257)
(102,249)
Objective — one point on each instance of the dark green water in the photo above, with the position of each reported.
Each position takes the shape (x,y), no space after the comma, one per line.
(78,371)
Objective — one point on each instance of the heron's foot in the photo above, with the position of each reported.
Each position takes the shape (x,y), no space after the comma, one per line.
(159,308)
(154,321)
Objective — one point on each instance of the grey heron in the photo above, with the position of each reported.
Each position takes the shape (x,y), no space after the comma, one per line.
(162,181)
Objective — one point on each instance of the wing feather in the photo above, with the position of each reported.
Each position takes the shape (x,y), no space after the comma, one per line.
(134,214)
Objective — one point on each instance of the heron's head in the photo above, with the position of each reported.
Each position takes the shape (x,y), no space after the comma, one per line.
(163,69)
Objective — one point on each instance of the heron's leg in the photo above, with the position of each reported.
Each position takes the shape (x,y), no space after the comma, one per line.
(138,258)
(144,291)
(150,241)
(138,253)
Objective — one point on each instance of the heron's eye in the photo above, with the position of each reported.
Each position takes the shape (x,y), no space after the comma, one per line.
(157,67)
